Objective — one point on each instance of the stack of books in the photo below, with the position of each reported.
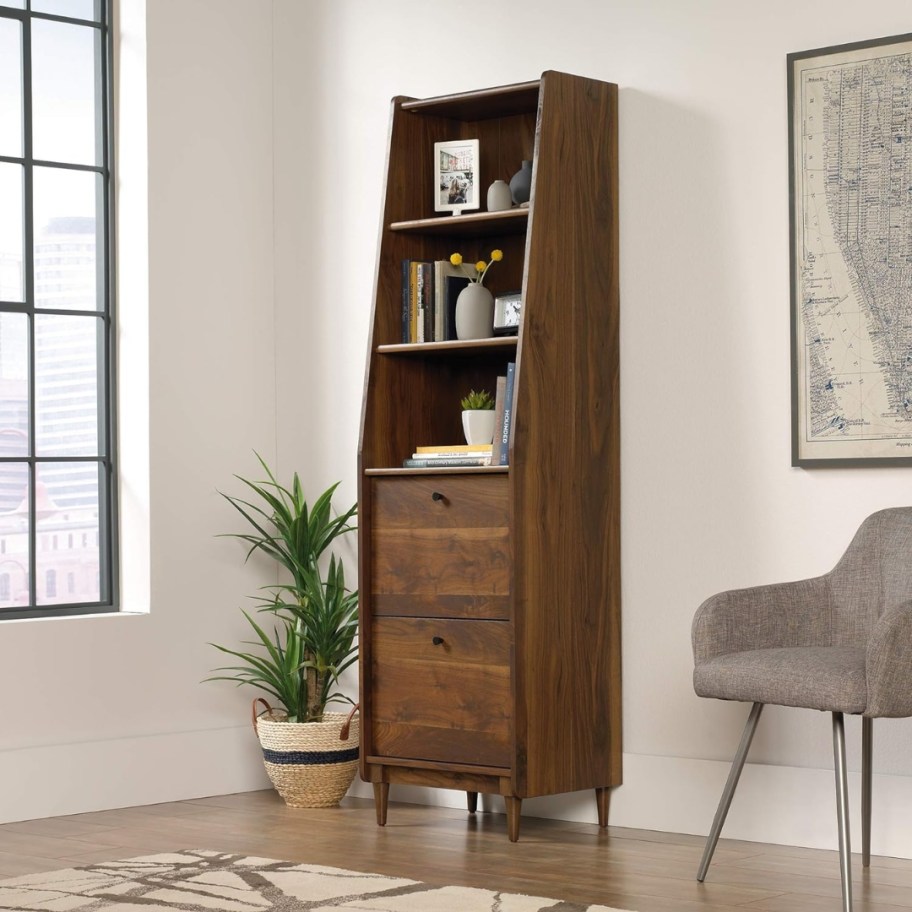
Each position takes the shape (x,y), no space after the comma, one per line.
(449,455)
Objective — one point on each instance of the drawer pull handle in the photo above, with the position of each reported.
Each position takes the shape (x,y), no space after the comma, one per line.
(437,641)
(438,496)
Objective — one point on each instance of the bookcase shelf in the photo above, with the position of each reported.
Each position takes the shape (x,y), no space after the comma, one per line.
(490,596)
(447,470)
(483,104)
(487,224)
(466,347)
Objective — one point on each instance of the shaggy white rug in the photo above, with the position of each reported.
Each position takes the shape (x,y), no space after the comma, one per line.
(202,881)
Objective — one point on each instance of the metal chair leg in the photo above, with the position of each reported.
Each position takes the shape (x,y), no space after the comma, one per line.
(867,757)
(842,810)
(728,792)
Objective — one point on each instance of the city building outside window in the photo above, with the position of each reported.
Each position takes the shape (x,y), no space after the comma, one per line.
(57,470)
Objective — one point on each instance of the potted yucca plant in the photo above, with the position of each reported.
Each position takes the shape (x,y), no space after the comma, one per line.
(303,641)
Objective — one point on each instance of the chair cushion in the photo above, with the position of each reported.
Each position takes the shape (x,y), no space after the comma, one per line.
(814,677)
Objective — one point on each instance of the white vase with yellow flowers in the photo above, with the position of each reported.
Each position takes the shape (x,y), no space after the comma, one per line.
(475,304)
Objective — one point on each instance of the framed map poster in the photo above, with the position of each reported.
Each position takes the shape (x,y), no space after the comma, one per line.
(850,182)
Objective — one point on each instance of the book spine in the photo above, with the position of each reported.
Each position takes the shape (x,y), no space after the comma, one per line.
(508,415)
(499,396)
(422,322)
(426,271)
(463,449)
(425,463)
(413,301)
(440,267)
(454,284)
(452,454)
(405,300)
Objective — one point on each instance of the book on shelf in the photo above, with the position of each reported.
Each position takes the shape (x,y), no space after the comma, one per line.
(504,429)
(442,462)
(429,293)
(500,393)
(456,449)
(444,288)
(406,301)
(453,285)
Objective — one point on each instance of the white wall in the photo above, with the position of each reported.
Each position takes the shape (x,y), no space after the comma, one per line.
(108,711)
(266,140)
(709,499)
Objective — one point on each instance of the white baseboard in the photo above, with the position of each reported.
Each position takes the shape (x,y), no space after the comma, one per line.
(60,779)
(774,804)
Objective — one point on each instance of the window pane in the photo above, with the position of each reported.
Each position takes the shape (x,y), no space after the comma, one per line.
(15,4)
(75,9)
(66,239)
(10,87)
(14,412)
(67,394)
(65,102)
(66,498)
(14,535)
(12,246)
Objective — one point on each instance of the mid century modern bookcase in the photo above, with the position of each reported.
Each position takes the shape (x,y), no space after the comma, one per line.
(490,597)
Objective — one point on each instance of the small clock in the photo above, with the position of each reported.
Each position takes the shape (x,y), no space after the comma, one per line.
(507,310)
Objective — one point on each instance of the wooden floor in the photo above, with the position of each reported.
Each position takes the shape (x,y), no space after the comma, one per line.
(630,869)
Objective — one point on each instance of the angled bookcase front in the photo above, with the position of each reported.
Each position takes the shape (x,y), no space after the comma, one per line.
(490,596)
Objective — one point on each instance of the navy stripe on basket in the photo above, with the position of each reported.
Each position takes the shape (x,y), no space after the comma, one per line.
(308,758)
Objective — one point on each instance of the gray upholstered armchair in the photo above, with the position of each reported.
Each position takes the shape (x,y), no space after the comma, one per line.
(841,643)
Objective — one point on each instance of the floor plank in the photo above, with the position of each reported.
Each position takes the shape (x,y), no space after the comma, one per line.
(629,869)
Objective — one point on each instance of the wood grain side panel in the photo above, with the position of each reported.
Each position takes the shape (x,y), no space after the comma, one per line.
(565,465)
(441,690)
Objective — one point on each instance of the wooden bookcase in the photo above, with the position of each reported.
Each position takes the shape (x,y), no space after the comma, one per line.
(490,597)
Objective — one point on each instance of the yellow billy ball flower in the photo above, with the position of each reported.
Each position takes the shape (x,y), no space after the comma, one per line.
(456,259)
(480,266)
(496,255)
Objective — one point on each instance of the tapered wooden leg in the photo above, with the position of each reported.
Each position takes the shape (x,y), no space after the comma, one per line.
(602,800)
(381,800)
(472,801)
(514,805)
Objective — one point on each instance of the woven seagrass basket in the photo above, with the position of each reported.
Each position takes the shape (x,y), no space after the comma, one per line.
(311,764)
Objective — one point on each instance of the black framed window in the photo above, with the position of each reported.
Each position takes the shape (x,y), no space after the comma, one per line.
(57,470)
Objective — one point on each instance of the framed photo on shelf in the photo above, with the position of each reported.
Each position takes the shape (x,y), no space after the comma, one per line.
(850,157)
(456,176)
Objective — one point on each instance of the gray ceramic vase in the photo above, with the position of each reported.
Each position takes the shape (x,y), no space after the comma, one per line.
(521,183)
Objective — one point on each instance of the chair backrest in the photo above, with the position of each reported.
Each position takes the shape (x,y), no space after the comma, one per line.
(874,574)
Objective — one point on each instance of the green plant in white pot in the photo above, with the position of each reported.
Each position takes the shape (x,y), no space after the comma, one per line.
(478,417)
(310,754)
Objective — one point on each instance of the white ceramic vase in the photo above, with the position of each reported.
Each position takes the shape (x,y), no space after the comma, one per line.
(500,197)
(478,426)
(474,312)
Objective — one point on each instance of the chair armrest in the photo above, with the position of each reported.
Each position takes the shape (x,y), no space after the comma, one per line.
(763,617)
(888,664)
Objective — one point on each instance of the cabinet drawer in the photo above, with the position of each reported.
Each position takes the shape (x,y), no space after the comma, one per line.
(448,557)
(464,501)
(440,690)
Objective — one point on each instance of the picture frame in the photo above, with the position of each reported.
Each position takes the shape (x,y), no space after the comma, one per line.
(456,176)
(851,314)
(507,313)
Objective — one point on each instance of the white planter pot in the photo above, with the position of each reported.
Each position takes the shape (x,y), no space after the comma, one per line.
(474,312)
(478,425)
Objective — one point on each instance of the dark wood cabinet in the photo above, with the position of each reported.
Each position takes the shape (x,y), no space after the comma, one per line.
(490,597)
